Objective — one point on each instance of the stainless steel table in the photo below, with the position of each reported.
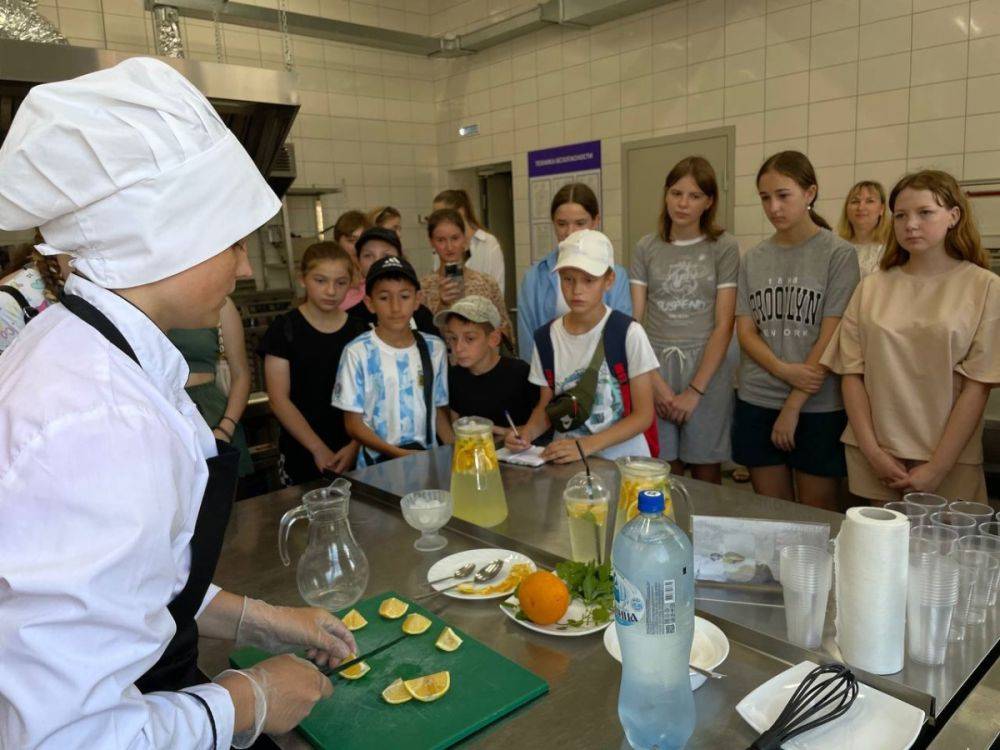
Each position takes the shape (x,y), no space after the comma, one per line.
(581,709)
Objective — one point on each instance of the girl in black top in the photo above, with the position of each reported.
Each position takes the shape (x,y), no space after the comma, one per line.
(301,352)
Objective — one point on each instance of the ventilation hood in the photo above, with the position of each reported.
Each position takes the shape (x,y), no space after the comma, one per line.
(258,105)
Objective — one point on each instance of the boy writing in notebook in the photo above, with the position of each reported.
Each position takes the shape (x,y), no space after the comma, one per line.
(392,381)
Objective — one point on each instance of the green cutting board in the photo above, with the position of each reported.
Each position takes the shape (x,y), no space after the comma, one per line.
(485,686)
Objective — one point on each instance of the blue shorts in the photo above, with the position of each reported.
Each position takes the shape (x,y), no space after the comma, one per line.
(818,450)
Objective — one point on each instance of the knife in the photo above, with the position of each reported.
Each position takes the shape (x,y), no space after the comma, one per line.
(329,671)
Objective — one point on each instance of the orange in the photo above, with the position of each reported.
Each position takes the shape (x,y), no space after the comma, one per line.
(544,597)
(430,687)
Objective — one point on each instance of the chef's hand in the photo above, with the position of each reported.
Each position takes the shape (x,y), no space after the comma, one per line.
(277,629)
(889,469)
(926,477)
(663,398)
(565,451)
(805,377)
(285,689)
(683,406)
(783,431)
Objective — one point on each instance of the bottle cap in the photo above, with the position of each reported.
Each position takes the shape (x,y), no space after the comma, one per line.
(651,501)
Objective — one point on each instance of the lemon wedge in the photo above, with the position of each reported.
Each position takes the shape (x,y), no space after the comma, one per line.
(396,693)
(354,621)
(392,608)
(415,624)
(448,641)
(356,672)
(429,687)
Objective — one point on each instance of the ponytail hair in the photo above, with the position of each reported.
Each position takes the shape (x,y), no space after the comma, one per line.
(458,200)
(796,166)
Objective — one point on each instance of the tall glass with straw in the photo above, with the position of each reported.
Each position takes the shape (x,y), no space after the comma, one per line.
(587,498)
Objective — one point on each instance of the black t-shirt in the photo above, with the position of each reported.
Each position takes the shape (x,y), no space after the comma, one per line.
(423,316)
(313,358)
(505,387)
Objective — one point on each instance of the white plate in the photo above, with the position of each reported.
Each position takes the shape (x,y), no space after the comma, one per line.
(709,648)
(575,611)
(876,720)
(479,557)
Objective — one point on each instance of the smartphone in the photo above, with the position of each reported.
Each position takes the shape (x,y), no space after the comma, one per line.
(453,270)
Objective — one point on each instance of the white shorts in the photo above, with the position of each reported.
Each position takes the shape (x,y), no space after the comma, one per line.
(705,438)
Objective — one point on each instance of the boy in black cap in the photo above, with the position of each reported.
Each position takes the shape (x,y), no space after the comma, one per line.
(392,383)
(377,243)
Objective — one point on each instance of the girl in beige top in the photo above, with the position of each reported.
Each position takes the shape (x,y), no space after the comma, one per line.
(919,350)
(446,230)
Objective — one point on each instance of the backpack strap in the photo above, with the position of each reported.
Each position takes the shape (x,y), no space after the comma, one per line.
(428,368)
(27,311)
(615,333)
(546,354)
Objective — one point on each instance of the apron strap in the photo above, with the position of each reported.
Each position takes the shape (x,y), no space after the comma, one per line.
(82,309)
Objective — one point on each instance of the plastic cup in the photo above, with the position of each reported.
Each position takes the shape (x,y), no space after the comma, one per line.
(984,543)
(805,582)
(926,500)
(959,522)
(932,539)
(932,592)
(985,567)
(982,513)
(960,617)
(992,528)
(917,514)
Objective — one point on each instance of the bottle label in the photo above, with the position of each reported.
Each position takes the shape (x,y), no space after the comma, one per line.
(630,607)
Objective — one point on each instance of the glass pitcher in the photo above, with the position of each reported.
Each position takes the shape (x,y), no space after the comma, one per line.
(476,488)
(333,571)
(644,473)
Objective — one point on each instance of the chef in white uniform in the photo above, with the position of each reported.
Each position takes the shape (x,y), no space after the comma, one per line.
(114,495)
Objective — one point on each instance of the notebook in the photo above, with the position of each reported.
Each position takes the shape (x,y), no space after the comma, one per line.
(531,457)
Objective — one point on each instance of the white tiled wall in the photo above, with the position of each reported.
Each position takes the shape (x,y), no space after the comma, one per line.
(868,88)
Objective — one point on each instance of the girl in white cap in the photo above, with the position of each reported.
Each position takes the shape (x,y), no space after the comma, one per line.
(114,495)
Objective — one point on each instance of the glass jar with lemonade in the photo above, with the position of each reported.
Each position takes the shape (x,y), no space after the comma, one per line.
(644,473)
(476,488)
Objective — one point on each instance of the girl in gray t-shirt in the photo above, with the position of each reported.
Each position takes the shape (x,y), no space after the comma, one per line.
(683,283)
(793,288)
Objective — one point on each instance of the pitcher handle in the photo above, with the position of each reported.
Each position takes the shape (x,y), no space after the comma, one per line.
(286,525)
(677,487)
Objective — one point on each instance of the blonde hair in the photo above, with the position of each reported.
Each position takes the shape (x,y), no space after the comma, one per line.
(883,227)
(380,214)
(962,241)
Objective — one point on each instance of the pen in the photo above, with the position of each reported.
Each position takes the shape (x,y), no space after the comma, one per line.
(512,426)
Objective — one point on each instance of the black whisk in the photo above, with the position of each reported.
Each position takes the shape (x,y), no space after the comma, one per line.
(825,694)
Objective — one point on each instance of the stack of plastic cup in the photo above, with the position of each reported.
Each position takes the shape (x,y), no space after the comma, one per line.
(982,513)
(984,543)
(960,617)
(991,528)
(932,592)
(985,568)
(960,522)
(932,539)
(805,582)
(926,500)
(917,514)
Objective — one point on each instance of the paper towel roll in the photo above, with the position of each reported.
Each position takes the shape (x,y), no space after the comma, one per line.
(871,566)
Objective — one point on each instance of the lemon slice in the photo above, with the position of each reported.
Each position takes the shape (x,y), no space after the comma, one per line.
(392,608)
(396,693)
(633,510)
(448,641)
(356,672)
(429,687)
(415,624)
(354,621)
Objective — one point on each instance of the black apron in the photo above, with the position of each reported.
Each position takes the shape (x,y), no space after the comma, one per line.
(178,667)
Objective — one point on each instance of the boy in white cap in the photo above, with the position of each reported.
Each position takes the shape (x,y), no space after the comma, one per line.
(114,495)
(481,382)
(594,365)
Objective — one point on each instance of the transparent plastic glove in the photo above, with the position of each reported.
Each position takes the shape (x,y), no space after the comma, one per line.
(281,629)
(285,689)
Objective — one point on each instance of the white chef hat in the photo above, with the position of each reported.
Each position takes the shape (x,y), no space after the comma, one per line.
(132,172)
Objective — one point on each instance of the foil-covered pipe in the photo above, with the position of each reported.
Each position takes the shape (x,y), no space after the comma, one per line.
(20,20)
(167,31)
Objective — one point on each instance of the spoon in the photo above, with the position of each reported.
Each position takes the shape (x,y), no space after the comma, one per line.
(462,572)
(707,672)
(486,573)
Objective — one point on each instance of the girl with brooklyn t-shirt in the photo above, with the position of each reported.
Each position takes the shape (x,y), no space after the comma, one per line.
(793,289)
(683,282)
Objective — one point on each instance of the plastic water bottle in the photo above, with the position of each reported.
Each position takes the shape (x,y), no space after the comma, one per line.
(654,616)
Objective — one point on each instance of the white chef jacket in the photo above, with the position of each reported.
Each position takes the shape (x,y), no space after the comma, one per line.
(485,256)
(102,471)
